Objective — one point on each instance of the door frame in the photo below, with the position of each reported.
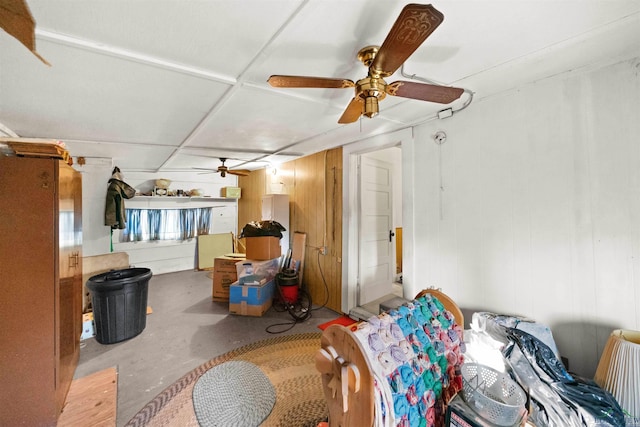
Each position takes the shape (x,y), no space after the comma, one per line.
(350,215)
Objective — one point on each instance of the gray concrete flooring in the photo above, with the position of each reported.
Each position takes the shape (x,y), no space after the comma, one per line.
(185,330)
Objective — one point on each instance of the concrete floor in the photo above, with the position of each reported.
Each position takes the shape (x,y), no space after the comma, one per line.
(185,330)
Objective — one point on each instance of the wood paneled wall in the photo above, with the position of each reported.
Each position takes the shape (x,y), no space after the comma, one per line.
(250,202)
(314,185)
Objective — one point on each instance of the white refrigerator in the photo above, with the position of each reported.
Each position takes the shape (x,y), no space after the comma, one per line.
(275,207)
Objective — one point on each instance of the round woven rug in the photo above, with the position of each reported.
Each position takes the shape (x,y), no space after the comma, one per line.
(287,361)
(233,394)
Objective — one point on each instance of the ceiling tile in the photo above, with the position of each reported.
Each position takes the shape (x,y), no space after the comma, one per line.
(265,119)
(85,95)
(195,33)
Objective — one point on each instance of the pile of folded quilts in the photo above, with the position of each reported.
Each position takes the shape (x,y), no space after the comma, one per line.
(415,352)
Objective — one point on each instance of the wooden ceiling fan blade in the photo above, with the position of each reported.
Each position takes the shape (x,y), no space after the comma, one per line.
(309,82)
(352,112)
(414,24)
(424,92)
(239,172)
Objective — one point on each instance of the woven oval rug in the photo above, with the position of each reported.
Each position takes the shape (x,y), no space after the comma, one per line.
(287,361)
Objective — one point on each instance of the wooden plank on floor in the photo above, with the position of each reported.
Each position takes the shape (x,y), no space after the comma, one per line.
(92,401)
(298,251)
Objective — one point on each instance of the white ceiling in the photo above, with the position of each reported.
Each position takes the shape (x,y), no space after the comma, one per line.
(171,85)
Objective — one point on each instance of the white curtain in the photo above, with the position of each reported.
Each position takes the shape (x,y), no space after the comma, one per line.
(166,224)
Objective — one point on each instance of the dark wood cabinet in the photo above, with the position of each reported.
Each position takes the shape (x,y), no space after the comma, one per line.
(40,287)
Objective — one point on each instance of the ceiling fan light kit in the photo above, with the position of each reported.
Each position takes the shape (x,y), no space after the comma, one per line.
(414,24)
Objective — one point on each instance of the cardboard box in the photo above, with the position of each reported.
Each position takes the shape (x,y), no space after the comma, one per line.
(230,192)
(250,300)
(262,248)
(224,274)
(88,328)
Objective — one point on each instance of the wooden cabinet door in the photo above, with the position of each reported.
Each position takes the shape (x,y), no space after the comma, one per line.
(69,304)
(40,287)
(27,291)
(67,246)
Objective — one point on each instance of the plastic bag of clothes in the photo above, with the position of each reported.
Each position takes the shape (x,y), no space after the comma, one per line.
(262,228)
(557,398)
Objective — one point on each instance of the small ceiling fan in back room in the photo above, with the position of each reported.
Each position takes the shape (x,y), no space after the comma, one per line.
(224,170)
(414,24)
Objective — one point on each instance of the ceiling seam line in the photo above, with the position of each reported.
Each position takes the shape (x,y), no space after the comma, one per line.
(132,56)
(223,99)
(239,81)
(269,42)
(141,144)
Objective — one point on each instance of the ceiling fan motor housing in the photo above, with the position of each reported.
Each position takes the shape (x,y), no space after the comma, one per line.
(371,90)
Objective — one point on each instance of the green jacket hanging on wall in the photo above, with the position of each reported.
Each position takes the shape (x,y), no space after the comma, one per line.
(114,215)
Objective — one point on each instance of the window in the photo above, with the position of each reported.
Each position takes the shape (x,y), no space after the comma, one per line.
(166,224)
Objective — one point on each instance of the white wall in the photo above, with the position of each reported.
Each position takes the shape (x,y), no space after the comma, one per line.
(159,256)
(540,209)
(95,235)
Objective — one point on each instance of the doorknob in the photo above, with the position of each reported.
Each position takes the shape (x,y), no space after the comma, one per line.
(391,234)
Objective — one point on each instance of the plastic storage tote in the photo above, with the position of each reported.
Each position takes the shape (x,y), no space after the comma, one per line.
(119,299)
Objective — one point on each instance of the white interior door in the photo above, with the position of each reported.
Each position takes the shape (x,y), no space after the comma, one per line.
(376,259)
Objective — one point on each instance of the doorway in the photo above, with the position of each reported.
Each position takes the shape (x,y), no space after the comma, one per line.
(379,200)
(401,142)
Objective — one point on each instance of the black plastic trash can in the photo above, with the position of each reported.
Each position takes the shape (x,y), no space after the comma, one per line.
(119,300)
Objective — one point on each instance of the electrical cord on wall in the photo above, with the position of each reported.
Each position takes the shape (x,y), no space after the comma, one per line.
(326,287)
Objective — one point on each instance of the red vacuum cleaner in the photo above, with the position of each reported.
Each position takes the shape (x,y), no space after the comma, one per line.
(296,300)
(287,281)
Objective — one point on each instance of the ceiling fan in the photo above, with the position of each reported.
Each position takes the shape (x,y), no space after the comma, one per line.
(414,24)
(224,170)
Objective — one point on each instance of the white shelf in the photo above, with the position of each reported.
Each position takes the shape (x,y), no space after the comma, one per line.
(182,198)
(161,202)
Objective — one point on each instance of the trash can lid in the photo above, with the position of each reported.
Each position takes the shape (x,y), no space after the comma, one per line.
(118,278)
